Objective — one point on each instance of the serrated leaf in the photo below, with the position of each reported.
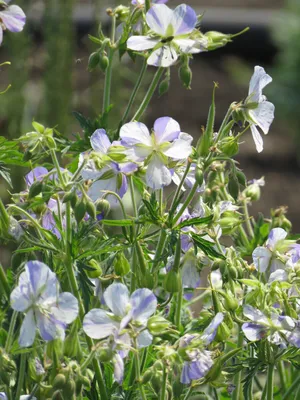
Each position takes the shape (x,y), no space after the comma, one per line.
(206,247)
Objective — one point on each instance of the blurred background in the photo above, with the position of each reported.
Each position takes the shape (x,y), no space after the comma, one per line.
(49,80)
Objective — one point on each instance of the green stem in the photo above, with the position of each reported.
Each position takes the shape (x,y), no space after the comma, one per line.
(135,91)
(148,95)
(179,299)
(4,282)
(224,123)
(147,5)
(186,203)
(164,384)
(198,298)
(109,193)
(132,194)
(188,393)
(138,373)
(133,269)
(88,360)
(238,377)
(21,375)
(57,167)
(281,371)
(270,382)
(10,333)
(30,218)
(108,74)
(159,249)
(177,193)
(248,222)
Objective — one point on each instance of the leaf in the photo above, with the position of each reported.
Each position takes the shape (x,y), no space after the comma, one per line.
(206,247)
(84,122)
(117,222)
(195,221)
(250,282)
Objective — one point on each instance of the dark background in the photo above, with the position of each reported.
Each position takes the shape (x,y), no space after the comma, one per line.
(49,80)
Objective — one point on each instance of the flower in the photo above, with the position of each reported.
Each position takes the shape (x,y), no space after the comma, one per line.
(200,360)
(142,2)
(11,18)
(262,326)
(264,258)
(37,296)
(189,180)
(260,112)
(172,32)
(166,142)
(136,309)
(106,173)
(24,397)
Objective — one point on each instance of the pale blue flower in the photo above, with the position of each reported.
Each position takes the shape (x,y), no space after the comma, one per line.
(142,2)
(23,397)
(45,309)
(200,359)
(107,175)
(265,258)
(12,18)
(260,112)
(155,149)
(171,34)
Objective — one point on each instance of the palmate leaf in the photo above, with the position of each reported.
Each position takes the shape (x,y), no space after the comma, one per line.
(206,247)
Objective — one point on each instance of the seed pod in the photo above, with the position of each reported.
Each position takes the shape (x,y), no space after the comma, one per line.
(104,62)
(241,178)
(94,61)
(147,280)
(121,265)
(147,376)
(230,302)
(156,381)
(229,146)
(164,87)
(69,389)
(80,210)
(57,395)
(199,176)
(157,325)
(71,197)
(233,186)
(97,270)
(35,189)
(91,209)
(178,388)
(105,354)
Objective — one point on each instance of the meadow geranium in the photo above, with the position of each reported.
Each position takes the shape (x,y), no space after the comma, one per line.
(37,296)
(155,149)
(142,2)
(12,18)
(101,168)
(260,112)
(172,32)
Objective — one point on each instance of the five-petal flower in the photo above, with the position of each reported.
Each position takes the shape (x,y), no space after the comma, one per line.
(11,18)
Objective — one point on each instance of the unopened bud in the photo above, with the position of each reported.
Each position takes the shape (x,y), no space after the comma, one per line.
(157,380)
(122,12)
(233,186)
(105,354)
(94,61)
(216,40)
(223,333)
(199,175)
(102,207)
(172,282)
(229,146)
(121,265)
(241,177)
(70,197)
(104,62)
(57,395)
(71,346)
(91,209)
(35,189)
(69,389)
(164,86)
(96,269)
(80,210)
(230,302)
(157,325)
(185,75)
(59,382)
(147,376)
(252,192)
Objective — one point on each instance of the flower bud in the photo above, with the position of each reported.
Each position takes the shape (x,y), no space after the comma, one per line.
(241,178)
(199,177)
(164,86)
(71,346)
(233,186)
(122,12)
(57,395)
(172,282)
(216,40)
(50,142)
(36,370)
(229,146)
(252,192)
(223,333)
(229,221)
(91,209)
(59,382)
(94,61)
(219,264)
(230,302)
(102,207)
(35,189)
(156,381)
(157,325)
(97,270)
(71,197)
(147,376)
(105,354)
(185,75)
(147,280)
(104,62)
(121,265)
(69,388)
(80,210)
(178,388)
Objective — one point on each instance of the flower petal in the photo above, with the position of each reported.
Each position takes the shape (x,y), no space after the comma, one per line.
(279,275)
(165,56)
(255,315)
(259,144)
(210,332)
(263,115)
(42,280)
(275,235)
(159,18)
(135,133)
(190,46)
(261,258)
(67,308)
(118,368)
(157,174)
(166,129)
(20,297)
(100,141)
(13,18)
(259,80)
(144,339)
(180,149)
(47,326)
(27,332)
(254,331)
(35,175)
(140,43)
(98,188)
(116,297)
(98,325)
(143,303)
(184,20)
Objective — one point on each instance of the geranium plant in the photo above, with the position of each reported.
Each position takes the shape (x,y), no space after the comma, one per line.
(114,249)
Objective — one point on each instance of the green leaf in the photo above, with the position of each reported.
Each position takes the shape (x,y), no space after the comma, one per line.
(117,222)
(206,247)
(250,282)
(195,221)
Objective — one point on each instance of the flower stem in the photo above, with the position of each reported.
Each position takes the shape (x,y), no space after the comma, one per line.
(186,203)
(238,377)
(159,249)
(147,5)
(21,375)
(57,167)
(108,75)
(164,384)
(291,389)
(248,222)
(11,329)
(148,95)
(132,194)
(270,382)
(224,123)
(179,299)
(135,91)
(177,193)
(138,373)
(282,376)
(4,282)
